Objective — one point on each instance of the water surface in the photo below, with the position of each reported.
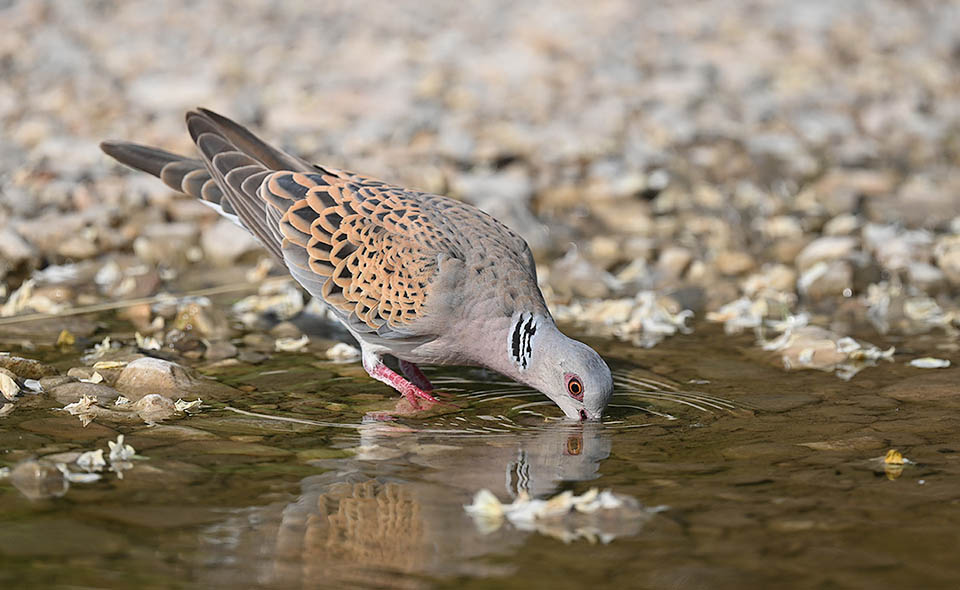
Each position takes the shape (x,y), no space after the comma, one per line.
(771,479)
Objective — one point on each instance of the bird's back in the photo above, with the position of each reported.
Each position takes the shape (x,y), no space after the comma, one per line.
(396,266)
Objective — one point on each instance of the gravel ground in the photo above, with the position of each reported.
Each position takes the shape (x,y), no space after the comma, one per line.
(766,164)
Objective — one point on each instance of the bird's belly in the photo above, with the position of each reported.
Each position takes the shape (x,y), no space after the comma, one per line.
(442,351)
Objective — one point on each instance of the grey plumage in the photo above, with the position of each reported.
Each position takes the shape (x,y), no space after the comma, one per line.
(422,277)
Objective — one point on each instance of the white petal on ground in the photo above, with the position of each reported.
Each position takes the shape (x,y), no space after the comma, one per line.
(341,351)
(73,477)
(102,348)
(91,460)
(8,387)
(526,512)
(291,344)
(929,362)
(120,451)
(33,386)
(84,408)
(81,406)
(95,378)
(103,365)
(147,342)
(185,406)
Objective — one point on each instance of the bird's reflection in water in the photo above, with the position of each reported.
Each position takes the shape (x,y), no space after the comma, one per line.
(392,514)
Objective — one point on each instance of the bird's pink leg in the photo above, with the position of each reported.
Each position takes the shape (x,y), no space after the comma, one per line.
(415,375)
(381,372)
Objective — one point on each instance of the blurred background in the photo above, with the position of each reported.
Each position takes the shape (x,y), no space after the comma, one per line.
(802,153)
(788,170)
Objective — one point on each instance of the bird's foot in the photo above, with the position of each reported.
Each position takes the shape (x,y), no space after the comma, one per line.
(415,375)
(385,374)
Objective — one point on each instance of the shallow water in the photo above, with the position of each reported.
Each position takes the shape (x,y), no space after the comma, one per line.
(771,479)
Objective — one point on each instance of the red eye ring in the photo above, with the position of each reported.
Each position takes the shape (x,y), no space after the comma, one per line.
(574,387)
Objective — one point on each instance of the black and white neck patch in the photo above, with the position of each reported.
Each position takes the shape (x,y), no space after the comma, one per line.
(521,340)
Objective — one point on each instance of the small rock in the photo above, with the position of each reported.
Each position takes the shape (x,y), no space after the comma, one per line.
(219,350)
(26,368)
(574,275)
(824,250)
(13,248)
(203,319)
(947,252)
(673,262)
(922,201)
(841,225)
(224,242)
(777,277)
(839,189)
(251,357)
(80,372)
(732,263)
(78,246)
(926,277)
(166,244)
(68,393)
(286,329)
(149,375)
(154,408)
(827,279)
(48,383)
(785,250)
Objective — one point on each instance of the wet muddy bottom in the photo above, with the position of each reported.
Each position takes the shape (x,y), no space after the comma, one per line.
(763,478)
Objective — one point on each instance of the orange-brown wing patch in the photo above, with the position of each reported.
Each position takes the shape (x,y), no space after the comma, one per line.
(362,246)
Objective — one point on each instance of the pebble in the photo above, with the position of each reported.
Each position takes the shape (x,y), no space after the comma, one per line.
(154,408)
(155,376)
(732,263)
(202,319)
(166,244)
(219,350)
(576,276)
(825,249)
(68,393)
(673,261)
(826,279)
(13,248)
(148,375)
(224,242)
(947,252)
(25,368)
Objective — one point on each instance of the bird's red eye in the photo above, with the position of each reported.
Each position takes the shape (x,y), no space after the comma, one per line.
(575,387)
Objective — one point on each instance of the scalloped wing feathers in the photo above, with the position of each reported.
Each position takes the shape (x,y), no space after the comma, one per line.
(375,253)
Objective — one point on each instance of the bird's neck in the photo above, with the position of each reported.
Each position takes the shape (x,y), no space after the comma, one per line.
(520,344)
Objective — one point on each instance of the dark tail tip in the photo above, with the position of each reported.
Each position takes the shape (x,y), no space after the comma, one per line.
(141,157)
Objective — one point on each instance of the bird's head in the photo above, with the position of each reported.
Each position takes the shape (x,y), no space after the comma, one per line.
(568,371)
